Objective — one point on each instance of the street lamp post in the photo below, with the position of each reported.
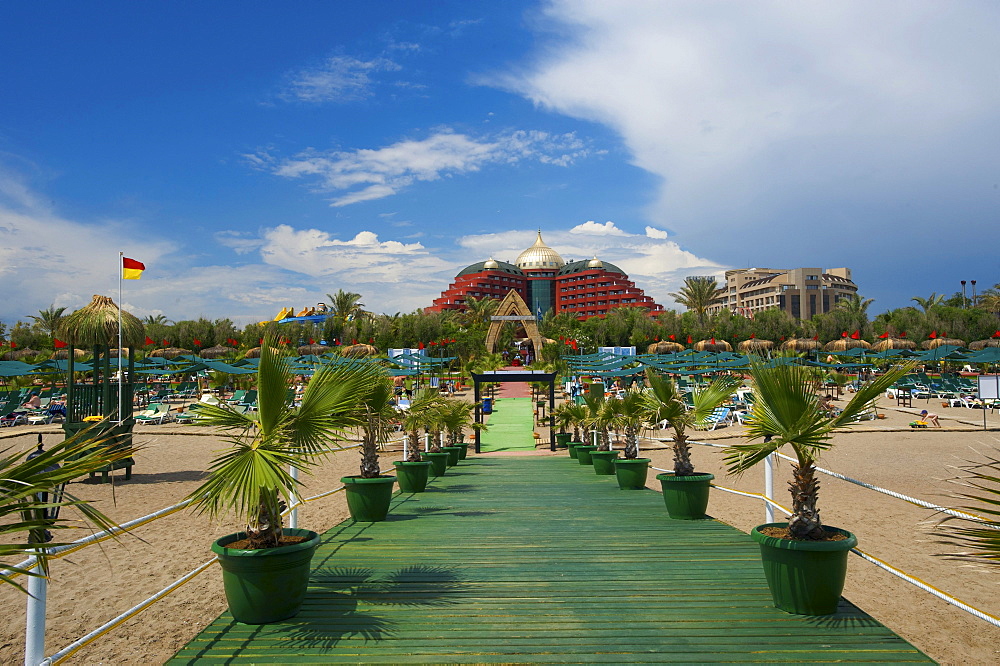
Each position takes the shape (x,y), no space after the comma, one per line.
(973,292)
(965,302)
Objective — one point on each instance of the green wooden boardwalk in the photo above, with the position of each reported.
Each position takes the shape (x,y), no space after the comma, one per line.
(511,425)
(528,560)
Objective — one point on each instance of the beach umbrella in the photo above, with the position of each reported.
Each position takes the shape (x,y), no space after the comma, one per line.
(942,342)
(755,346)
(979,345)
(169,352)
(844,344)
(893,343)
(800,344)
(218,351)
(712,345)
(16,369)
(313,350)
(985,355)
(97,324)
(115,351)
(665,347)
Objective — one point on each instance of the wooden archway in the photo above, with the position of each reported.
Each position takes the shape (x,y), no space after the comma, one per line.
(513,308)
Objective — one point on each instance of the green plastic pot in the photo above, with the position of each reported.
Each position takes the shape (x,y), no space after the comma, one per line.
(562,439)
(686,497)
(805,577)
(412,476)
(438,461)
(631,473)
(453,453)
(583,454)
(368,499)
(464,453)
(604,462)
(572,449)
(266,584)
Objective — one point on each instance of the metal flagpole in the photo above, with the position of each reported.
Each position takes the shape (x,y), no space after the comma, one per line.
(121,265)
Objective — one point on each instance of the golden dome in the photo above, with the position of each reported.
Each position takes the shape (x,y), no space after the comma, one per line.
(491,264)
(539,256)
(595,263)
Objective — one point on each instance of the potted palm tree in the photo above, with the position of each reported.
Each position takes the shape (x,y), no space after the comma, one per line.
(564,420)
(265,566)
(577,414)
(593,431)
(603,458)
(420,415)
(629,413)
(685,491)
(370,493)
(805,562)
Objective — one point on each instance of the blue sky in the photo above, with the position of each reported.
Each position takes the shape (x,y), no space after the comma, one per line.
(261,155)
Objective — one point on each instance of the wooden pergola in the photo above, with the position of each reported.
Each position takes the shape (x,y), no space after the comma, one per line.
(502,376)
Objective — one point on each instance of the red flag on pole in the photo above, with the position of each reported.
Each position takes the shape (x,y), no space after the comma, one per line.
(753,335)
(58,344)
(884,335)
(815,337)
(856,335)
(150,341)
(844,334)
(312,341)
(997,334)
(197,342)
(713,339)
(933,335)
(165,343)
(420,346)
(673,337)
(13,345)
(689,339)
(902,334)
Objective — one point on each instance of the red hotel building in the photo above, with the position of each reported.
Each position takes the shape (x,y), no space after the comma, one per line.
(546,282)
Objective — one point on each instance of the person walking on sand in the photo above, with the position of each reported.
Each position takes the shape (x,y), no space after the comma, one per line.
(930,418)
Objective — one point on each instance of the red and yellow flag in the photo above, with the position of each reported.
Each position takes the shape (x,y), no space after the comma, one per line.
(132,269)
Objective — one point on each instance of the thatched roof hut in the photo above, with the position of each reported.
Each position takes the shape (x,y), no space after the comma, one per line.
(893,343)
(938,342)
(664,347)
(755,346)
(357,351)
(97,324)
(844,344)
(218,351)
(169,352)
(800,344)
(980,345)
(712,346)
(315,350)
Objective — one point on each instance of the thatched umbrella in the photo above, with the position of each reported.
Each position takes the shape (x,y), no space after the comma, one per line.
(317,350)
(113,353)
(358,350)
(64,353)
(754,346)
(665,347)
(255,352)
(97,324)
(893,343)
(844,344)
(712,346)
(18,354)
(218,351)
(800,344)
(938,342)
(980,345)
(169,352)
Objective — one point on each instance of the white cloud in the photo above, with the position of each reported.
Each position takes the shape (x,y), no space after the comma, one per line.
(653,232)
(594,229)
(367,174)
(337,79)
(771,115)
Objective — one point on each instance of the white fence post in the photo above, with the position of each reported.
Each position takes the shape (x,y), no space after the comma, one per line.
(769,488)
(293,515)
(34,631)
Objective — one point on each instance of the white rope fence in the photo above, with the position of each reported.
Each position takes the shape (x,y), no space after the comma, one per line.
(38,587)
(885,566)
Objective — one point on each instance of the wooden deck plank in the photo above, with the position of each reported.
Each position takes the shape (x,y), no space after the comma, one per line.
(540,560)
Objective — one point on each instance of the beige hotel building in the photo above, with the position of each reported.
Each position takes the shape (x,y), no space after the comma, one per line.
(801,292)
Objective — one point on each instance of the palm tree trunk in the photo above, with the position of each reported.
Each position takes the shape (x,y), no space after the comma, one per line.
(369,456)
(414,447)
(682,455)
(804,523)
(631,444)
(264,529)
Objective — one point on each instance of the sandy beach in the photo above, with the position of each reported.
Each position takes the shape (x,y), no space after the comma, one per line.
(94,585)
